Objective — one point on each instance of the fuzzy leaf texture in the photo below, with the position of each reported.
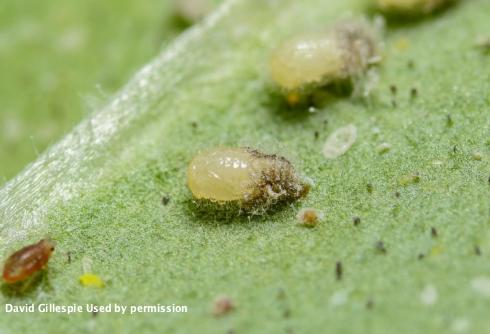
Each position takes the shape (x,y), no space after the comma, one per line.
(98,192)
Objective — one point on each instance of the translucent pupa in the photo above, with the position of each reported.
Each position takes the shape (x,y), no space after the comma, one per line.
(244,175)
(340,141)
(411,7)
(343,53)
(28,260)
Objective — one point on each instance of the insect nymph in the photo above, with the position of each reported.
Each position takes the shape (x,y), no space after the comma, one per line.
(342,53)
(28,260)
(244,175)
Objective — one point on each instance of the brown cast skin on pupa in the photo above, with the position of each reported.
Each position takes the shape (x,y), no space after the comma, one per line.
(242,176)
(28,260)
(279,182)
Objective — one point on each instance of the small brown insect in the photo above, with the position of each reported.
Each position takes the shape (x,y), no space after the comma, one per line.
(27,261)
(223,305)
(309,217)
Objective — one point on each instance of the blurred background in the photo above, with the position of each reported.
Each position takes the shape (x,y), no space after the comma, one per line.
(60,60)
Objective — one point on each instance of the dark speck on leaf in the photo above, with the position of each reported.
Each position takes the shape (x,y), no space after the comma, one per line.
(338,270)
(369,188)
(165,200)
(393,89)
(356,220)
(411,64)
(449,121)
(370,304)
(477,250)
(194,125)
(397,194)
(433,232)
(414,92)
(317,134)
(421,256)
(380,247)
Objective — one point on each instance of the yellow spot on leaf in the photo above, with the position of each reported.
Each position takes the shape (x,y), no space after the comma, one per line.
(293,99)
(402,44)
(91,280)
(436,250)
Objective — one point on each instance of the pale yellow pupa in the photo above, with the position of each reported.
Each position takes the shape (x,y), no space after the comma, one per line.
(344,52)
(244,175)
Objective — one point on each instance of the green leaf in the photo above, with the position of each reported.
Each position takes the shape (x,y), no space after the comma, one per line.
(98,192)
(59,62)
